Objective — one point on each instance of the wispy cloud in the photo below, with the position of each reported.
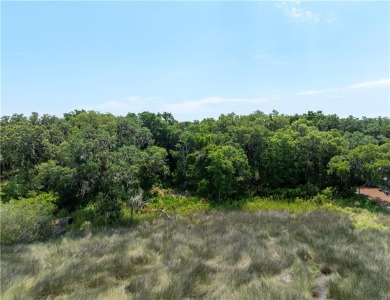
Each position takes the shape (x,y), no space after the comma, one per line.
(135,104)
(371,84)
(196,109)
(365,84)
(209,104)
(292,9)
(305,93)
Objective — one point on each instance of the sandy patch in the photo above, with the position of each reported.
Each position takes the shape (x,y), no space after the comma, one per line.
(374,194)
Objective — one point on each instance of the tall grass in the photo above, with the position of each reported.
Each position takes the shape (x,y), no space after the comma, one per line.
(208,255)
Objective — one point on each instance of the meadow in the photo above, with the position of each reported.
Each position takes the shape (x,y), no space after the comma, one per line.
(252,252)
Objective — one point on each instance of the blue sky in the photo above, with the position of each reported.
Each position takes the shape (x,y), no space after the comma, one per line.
(195,59)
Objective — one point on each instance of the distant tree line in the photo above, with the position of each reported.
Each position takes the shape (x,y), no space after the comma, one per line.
(87,156)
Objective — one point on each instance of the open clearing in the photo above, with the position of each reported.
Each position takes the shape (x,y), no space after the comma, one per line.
(210,255)
(376,195)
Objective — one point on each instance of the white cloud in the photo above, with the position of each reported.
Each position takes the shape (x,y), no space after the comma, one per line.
(186,110)
(304,15)
(313,92)
(365,84)
(291,9)
(123,106)
(208,104)
(371,84)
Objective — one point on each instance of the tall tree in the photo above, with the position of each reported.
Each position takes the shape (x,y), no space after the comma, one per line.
(228,171)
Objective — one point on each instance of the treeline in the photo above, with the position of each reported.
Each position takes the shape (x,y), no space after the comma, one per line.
(86,157)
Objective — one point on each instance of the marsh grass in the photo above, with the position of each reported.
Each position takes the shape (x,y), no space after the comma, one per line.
(207,255)
(362,212)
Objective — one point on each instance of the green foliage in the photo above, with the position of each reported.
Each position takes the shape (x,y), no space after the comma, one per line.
(154,169)
(51,176)
(228,171)
(203,187)
(86,153)
(108,208)
(304,167)
(11,190)
(305,191)
(27,219)
(130,132)
(179,204)
(87,214)
(21,144)
(366,163)
(281,163)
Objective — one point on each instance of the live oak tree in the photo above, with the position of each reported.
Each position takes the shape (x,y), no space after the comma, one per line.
(363,164)
(86,156)
(228,171)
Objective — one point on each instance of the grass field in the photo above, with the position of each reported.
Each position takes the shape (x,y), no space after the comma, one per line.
(209,255)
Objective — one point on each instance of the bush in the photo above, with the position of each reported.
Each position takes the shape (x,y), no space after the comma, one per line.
(27,219)
(11,190)
(302,191)
(179,204)
(108,208)
(85,214)
(325,196)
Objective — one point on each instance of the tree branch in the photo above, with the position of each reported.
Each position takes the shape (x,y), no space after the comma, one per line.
(161,211)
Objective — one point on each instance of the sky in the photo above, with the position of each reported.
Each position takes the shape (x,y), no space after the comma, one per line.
(196,59)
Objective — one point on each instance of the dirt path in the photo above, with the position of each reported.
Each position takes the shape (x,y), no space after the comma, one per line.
(375,195)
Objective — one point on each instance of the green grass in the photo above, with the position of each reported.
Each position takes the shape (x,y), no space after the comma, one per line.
(212,254)
(362,212)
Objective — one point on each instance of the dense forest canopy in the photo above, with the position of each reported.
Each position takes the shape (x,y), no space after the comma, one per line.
(87,156)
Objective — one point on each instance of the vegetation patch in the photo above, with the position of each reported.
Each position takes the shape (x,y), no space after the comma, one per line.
(365,220)
(261,206)
(27,219)
(212,254)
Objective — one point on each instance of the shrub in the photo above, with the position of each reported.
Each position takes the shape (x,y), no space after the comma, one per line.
(302,191)
(85,214)
(108,208)
(11,190)
(27,219)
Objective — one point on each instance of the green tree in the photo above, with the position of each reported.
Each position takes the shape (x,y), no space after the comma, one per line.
(358,166)
(21,144)
(123,170)
(382,165)
(154,169)
(130,132)
(281,163)
(228,171)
